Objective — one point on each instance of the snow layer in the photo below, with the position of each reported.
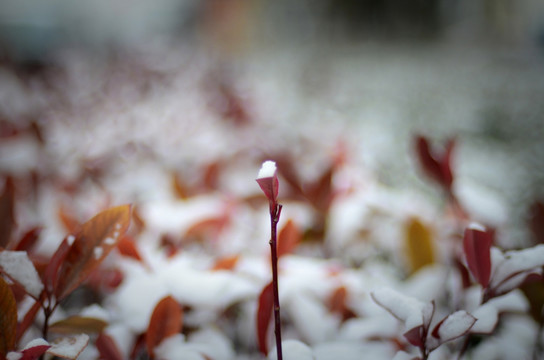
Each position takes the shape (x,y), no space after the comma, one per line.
(267,170)
(19,267)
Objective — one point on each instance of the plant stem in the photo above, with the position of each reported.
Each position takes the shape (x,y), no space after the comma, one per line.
(274,219)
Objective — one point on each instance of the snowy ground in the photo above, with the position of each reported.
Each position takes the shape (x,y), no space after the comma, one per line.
(126,128)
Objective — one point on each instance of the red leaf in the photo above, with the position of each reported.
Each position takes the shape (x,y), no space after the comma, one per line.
(436,166)
(27,320)
(127,248)
(70,223)
(477,245)
(269,182)
(536,221)
(226,263)
(288,238)
(7,219)
(320,193)
(51,274)
(34,352)
(415,336)
(166,320)
(264,314)
(107,348)
(97,238)
(29,239)
(8,319)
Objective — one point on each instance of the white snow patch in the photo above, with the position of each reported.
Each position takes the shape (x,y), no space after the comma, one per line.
(358,329)
(292,350)
(109,240)
(95,311)
(487,317)
(98,251)
(19,267)
(455,325)
(12,355)
(36,342)
(409,310)
(476,226)
(69,347)
(312,319)
(175,348)
(212,343)
(268,169)
(516,262)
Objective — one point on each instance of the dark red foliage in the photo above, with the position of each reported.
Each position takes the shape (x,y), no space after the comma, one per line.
(107,348)
(264,314)
(536,221)
(436,166)
(477,247)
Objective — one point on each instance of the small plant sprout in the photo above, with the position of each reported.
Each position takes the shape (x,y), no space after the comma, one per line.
(268,181)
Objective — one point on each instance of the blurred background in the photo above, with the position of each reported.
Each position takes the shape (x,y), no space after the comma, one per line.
(98,78)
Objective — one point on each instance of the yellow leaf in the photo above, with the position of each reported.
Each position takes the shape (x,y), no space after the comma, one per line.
(78,324)
(418,244)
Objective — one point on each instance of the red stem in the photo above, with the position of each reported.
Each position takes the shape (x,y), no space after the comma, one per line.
(275,212)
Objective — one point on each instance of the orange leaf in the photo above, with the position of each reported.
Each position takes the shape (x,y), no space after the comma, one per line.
(70,223)
(8,319)
(337,301)
(96,239)
(226,263)
(127,248)
(264,314)
(166,320)
(288,238)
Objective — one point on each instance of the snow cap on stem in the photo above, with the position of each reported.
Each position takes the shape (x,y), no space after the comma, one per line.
(268,180)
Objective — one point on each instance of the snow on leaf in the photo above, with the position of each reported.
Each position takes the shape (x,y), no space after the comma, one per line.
(516,262)
(487,317)
(20,269)
(411,311)
(34,349)
(166,320)
(453,326)
(293,350)
(477,244)
(81,258)
(8,318)
(264,314)
(268,180)
(69,347)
